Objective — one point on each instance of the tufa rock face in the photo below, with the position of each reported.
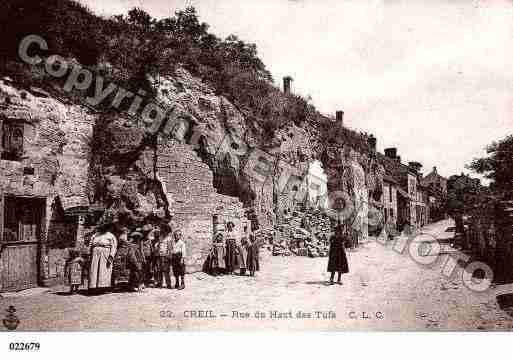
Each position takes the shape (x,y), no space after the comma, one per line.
(112,163)
(227,141)
(56,144)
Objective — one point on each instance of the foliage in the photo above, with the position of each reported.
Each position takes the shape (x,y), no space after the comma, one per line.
(462,192)
(135,45)
(498,165)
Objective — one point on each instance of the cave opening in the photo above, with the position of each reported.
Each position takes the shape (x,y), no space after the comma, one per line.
(317,181)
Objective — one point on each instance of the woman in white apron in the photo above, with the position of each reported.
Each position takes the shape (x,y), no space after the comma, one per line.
(103,250)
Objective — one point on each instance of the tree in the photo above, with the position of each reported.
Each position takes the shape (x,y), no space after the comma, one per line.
(497,166)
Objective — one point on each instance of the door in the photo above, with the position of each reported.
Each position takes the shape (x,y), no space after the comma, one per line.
(21,231)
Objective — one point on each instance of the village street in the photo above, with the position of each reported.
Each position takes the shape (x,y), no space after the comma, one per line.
(384,290)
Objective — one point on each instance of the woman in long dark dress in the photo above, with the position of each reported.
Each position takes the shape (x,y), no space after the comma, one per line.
(337,255)
(253,260)
(232,249)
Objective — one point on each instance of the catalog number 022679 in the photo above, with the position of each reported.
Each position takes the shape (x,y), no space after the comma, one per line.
(20,346)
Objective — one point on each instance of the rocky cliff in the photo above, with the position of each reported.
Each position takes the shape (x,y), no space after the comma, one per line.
(200,167)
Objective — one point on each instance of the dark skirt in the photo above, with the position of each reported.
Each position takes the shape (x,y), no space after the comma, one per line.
(177,264)
(232,256)
(337,258)
(253,261)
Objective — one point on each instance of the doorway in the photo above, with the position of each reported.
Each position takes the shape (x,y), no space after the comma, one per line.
(21,232)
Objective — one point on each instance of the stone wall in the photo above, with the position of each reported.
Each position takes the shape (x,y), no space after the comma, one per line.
(188,183)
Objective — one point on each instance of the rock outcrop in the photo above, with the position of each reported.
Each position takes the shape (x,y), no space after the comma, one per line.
(199,171)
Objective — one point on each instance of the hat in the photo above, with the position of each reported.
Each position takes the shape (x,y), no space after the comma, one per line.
(136,234)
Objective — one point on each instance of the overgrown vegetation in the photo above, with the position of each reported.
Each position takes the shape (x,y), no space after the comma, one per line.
(497,166)
(130,47)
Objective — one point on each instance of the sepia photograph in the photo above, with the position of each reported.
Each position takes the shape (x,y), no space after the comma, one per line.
(255,165)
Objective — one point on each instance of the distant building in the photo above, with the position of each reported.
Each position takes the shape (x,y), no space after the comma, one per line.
(389,200)
(411,197)
(436,182)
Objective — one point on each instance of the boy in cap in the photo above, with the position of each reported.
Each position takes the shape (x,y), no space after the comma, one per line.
(178,259)
(163,251)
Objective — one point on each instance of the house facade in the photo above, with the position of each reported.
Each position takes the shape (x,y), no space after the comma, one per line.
(411,199)
(390,201)
(43,176)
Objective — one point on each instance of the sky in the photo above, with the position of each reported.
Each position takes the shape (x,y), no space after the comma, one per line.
(433,78)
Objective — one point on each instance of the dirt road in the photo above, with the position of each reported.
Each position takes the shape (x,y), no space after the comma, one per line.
(384,290)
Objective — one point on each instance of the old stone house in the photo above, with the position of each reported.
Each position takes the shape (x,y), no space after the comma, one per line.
(43,177)
(390,193)
(412,197)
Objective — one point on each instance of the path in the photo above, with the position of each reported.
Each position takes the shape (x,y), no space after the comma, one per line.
(384,290)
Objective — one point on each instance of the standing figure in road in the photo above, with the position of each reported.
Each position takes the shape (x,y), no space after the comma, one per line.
(337,255)
(164,246)
(232,249)
(103,250)
(243,255)
(128,261)
(74,270)
(253,261)
(145,246)
(135,262)
(120,271)
(178,259)
(218,262)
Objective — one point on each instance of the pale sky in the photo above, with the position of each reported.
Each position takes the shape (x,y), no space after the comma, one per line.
(433,78)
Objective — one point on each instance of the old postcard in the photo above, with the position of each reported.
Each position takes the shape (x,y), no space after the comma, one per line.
(172,165)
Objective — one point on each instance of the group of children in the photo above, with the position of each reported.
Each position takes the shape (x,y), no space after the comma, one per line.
(142,258)
(147,256)
(227,256)
(162,250)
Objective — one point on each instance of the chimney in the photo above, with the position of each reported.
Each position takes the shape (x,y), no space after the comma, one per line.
(391,152)
(287,83)
(372,141)
(415,166)
(339,115)
(435,171)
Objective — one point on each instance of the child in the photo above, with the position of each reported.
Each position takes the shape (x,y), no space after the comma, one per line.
(178,259)
(163,248)
(74,270)
(243,255)
(218,263)
(253,262)
(135,262)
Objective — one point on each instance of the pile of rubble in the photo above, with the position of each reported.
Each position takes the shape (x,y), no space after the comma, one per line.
(265,237)
(281,241)
(304,234)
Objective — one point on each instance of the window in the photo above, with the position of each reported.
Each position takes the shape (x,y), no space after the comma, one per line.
(12,140)
(390,195)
